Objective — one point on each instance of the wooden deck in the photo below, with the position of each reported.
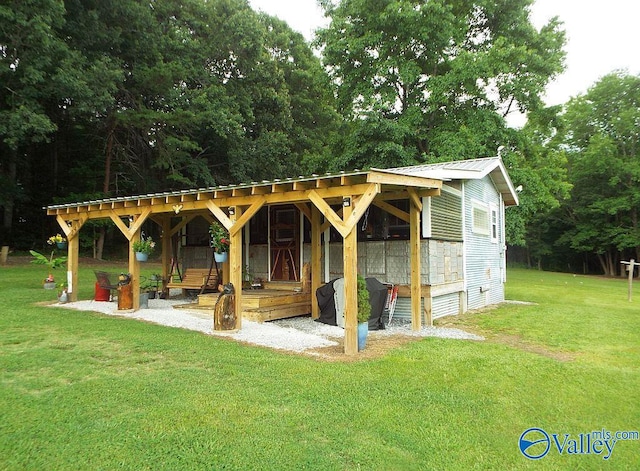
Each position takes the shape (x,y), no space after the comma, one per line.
(262,305)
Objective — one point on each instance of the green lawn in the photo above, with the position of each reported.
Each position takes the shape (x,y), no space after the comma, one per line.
(86,391)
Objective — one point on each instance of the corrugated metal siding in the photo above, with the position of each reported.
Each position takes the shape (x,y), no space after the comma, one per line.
(483,257)
(445,305)
(403,309)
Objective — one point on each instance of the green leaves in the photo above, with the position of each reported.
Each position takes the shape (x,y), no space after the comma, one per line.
(457,67)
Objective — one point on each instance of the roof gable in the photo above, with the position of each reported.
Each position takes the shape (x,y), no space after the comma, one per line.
(474,169)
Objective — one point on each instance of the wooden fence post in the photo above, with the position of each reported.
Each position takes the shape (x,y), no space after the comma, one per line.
(631,264)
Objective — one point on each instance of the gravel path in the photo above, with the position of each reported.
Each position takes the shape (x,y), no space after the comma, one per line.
(295,334)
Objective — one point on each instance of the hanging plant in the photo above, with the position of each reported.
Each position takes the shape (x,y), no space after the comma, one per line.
(144,245)
(219,237)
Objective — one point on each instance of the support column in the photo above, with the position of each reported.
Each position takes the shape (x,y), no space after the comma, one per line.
(316,257)
(235,264)
(71,231)
(134,270)
(350,261)
(416,279)
(73,245)
(165,258)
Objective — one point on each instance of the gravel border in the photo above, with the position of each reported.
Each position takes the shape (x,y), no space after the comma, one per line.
(295,334)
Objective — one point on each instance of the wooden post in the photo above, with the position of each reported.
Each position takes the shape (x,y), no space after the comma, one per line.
(350,261)
(166,252)
(4,254)
(73,255)
(416,278)
(235,265)
(316,256)
(134,271)
(630,267)
(71,231)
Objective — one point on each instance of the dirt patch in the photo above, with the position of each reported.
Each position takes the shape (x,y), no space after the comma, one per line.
(465,322)
(376,347)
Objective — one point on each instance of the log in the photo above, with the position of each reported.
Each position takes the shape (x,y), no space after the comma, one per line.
(224,313)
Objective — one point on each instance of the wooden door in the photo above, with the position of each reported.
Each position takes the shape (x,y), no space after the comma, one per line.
(285,243)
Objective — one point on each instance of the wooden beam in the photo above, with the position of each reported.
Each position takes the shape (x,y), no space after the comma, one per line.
(360,205)
(416,283)
(329,213)
(165,257)
(404,181)
(304,209)
(134,270)
(235,266)
(316,257)
(244,219)
(219,214)
(139,220)
(415,199)
(350,270)
(120,225)
(391,209)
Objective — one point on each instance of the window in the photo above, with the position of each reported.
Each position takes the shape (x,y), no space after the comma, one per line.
(480,218)
(494,223)
(442,215)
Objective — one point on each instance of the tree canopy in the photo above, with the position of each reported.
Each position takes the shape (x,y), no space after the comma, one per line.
(118,97)
(435,80)
(604,167)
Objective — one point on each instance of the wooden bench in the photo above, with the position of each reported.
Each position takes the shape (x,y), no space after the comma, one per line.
(195,278)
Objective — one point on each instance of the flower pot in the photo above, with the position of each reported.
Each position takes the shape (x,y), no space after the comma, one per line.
(142,257)
(363,331)
(49,285)
(144,300)
(61,245)
(221,257)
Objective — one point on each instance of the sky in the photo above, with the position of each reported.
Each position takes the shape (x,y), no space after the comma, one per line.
(602,35)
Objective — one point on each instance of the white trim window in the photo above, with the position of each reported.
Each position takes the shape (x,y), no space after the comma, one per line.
(493,209)
(480,218)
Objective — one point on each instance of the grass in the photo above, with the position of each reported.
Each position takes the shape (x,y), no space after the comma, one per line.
(85,391)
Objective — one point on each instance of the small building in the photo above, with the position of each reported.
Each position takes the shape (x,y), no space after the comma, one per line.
(435,231)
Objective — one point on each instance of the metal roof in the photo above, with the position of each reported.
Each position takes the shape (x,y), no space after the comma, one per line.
(473,169)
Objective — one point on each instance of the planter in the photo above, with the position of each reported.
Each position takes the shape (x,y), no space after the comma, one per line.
(142,257)
(221,257)
(49,285)
(144,300)
(63,297)
(61,245)
(363,331)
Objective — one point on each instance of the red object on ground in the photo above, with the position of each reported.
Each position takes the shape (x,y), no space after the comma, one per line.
(102,294)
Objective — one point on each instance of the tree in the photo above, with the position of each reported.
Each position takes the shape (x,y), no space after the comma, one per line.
(443,73)
(604,168)
(539,168)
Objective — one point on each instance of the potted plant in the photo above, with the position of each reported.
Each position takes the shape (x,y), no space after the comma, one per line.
(63,295)
(57,240)
(364,312)
(219,241)
(143,248)
(52,262)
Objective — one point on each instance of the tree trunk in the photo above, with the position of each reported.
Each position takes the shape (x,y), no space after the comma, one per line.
(106,184)
(9,204)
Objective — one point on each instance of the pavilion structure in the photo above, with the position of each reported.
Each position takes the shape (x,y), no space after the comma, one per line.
(318,197)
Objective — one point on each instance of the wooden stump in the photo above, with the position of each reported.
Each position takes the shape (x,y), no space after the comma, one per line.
(125,297)
(224,314)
